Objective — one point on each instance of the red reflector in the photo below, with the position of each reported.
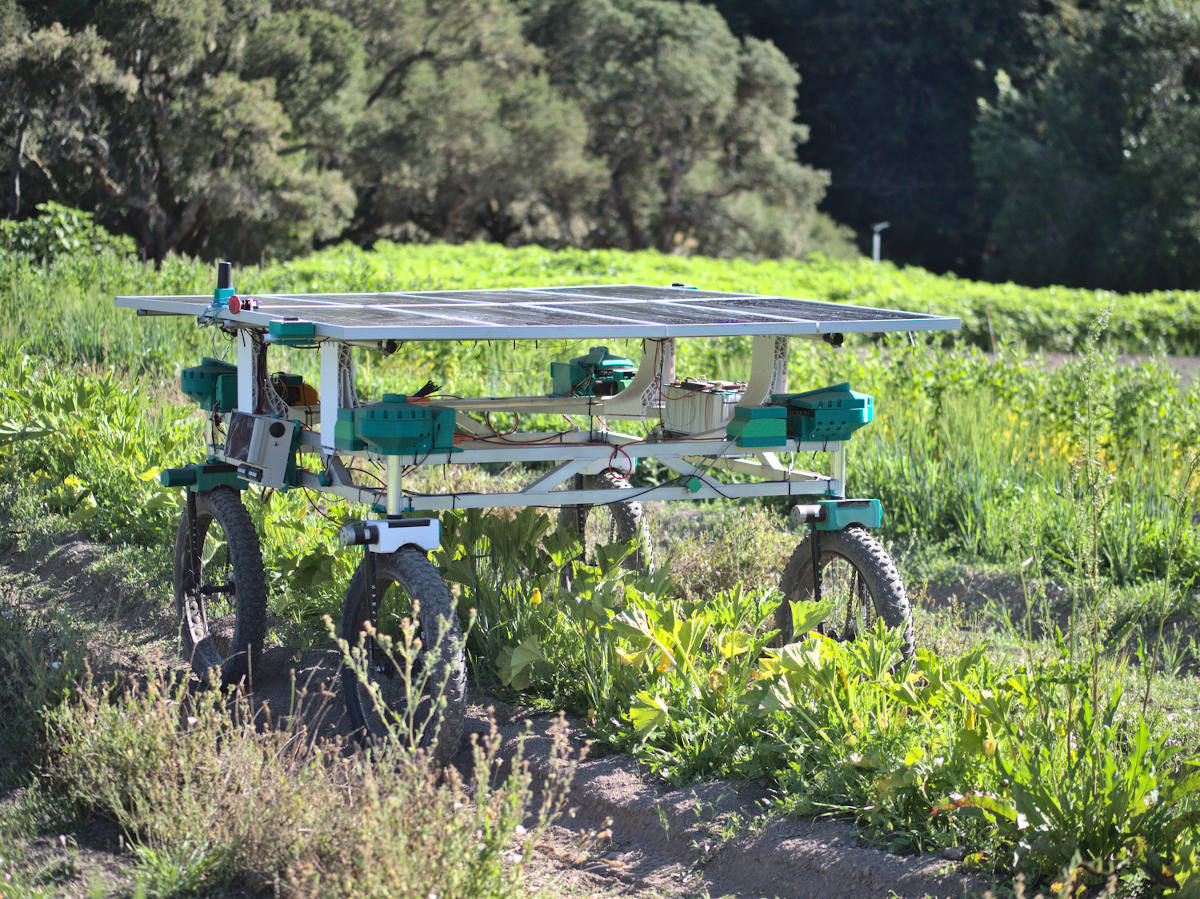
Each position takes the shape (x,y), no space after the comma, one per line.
(235,304)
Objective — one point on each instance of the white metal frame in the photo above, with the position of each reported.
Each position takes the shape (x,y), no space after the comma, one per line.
(574,452)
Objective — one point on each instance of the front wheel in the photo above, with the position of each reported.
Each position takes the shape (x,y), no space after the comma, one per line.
(417,688)
(857,575)
(220,590)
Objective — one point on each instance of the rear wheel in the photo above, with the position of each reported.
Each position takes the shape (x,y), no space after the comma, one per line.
(220,590)
(607,523)
(858,576)
(422,697)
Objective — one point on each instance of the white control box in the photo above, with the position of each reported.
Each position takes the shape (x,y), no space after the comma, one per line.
(261,447)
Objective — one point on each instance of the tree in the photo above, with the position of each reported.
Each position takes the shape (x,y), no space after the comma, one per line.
(317,62)
(694,126)
(460,135)
(154,119)
(890,92)
(55,78)
(1094,164)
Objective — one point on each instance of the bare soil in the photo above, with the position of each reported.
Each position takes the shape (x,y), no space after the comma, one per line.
(626,834)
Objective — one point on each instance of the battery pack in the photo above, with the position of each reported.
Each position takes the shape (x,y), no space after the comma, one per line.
(694,406)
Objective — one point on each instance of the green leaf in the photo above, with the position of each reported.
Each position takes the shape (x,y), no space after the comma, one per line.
(807,615)
(514,663)
(647,713)
(734,643)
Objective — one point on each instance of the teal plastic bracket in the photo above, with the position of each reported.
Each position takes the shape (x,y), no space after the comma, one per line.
(292,332)
(202,477)
(221,297)
(841,513)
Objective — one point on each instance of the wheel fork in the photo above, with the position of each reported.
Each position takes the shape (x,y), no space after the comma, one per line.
(815,539)
(195,616)
(372,609)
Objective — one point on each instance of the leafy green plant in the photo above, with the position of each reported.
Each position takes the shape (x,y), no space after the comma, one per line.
(1086,789)
(59,230)
(176,870)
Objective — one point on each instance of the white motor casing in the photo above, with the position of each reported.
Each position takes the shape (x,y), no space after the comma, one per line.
(386,535)
(261,447)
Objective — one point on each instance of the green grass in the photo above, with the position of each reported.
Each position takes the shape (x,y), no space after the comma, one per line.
(61,307)
(1073,490)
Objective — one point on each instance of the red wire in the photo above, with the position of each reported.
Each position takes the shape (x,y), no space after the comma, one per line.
(316,508)
(380,481)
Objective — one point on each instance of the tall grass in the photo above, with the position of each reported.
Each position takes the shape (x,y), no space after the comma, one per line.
(213,796)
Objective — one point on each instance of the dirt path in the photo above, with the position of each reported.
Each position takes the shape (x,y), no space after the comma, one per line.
(627,834)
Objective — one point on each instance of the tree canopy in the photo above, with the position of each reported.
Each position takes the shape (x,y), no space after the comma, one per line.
(240,127)
(890,93)
(696,128)
(1034,140)
(1094,165)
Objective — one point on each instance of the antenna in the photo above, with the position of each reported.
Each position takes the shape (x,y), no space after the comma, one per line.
(224,275)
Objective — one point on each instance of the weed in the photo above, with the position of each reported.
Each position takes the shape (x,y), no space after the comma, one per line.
(40,661)
(209,797)
(725,547)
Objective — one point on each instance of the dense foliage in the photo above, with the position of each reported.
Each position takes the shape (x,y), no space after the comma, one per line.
(1046,142)
(890,92)
(1091,163)
(1043,142)
(240,127)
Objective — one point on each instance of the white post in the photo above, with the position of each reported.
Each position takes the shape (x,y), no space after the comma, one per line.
(837,464)
(329,393)
(247,365)
(876,240)
(394,496)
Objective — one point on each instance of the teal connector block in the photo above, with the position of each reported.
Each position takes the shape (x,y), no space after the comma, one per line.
(292,332)
(221,296)
(212,384)
(828,414)
(201,478)
(343,432)
(841,513)
(599,373)
(758,426)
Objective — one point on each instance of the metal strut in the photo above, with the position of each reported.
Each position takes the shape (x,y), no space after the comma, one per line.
(195,589)
(813,536)
(193,548)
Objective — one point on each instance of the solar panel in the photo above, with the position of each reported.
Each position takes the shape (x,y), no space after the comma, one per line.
(622,310)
